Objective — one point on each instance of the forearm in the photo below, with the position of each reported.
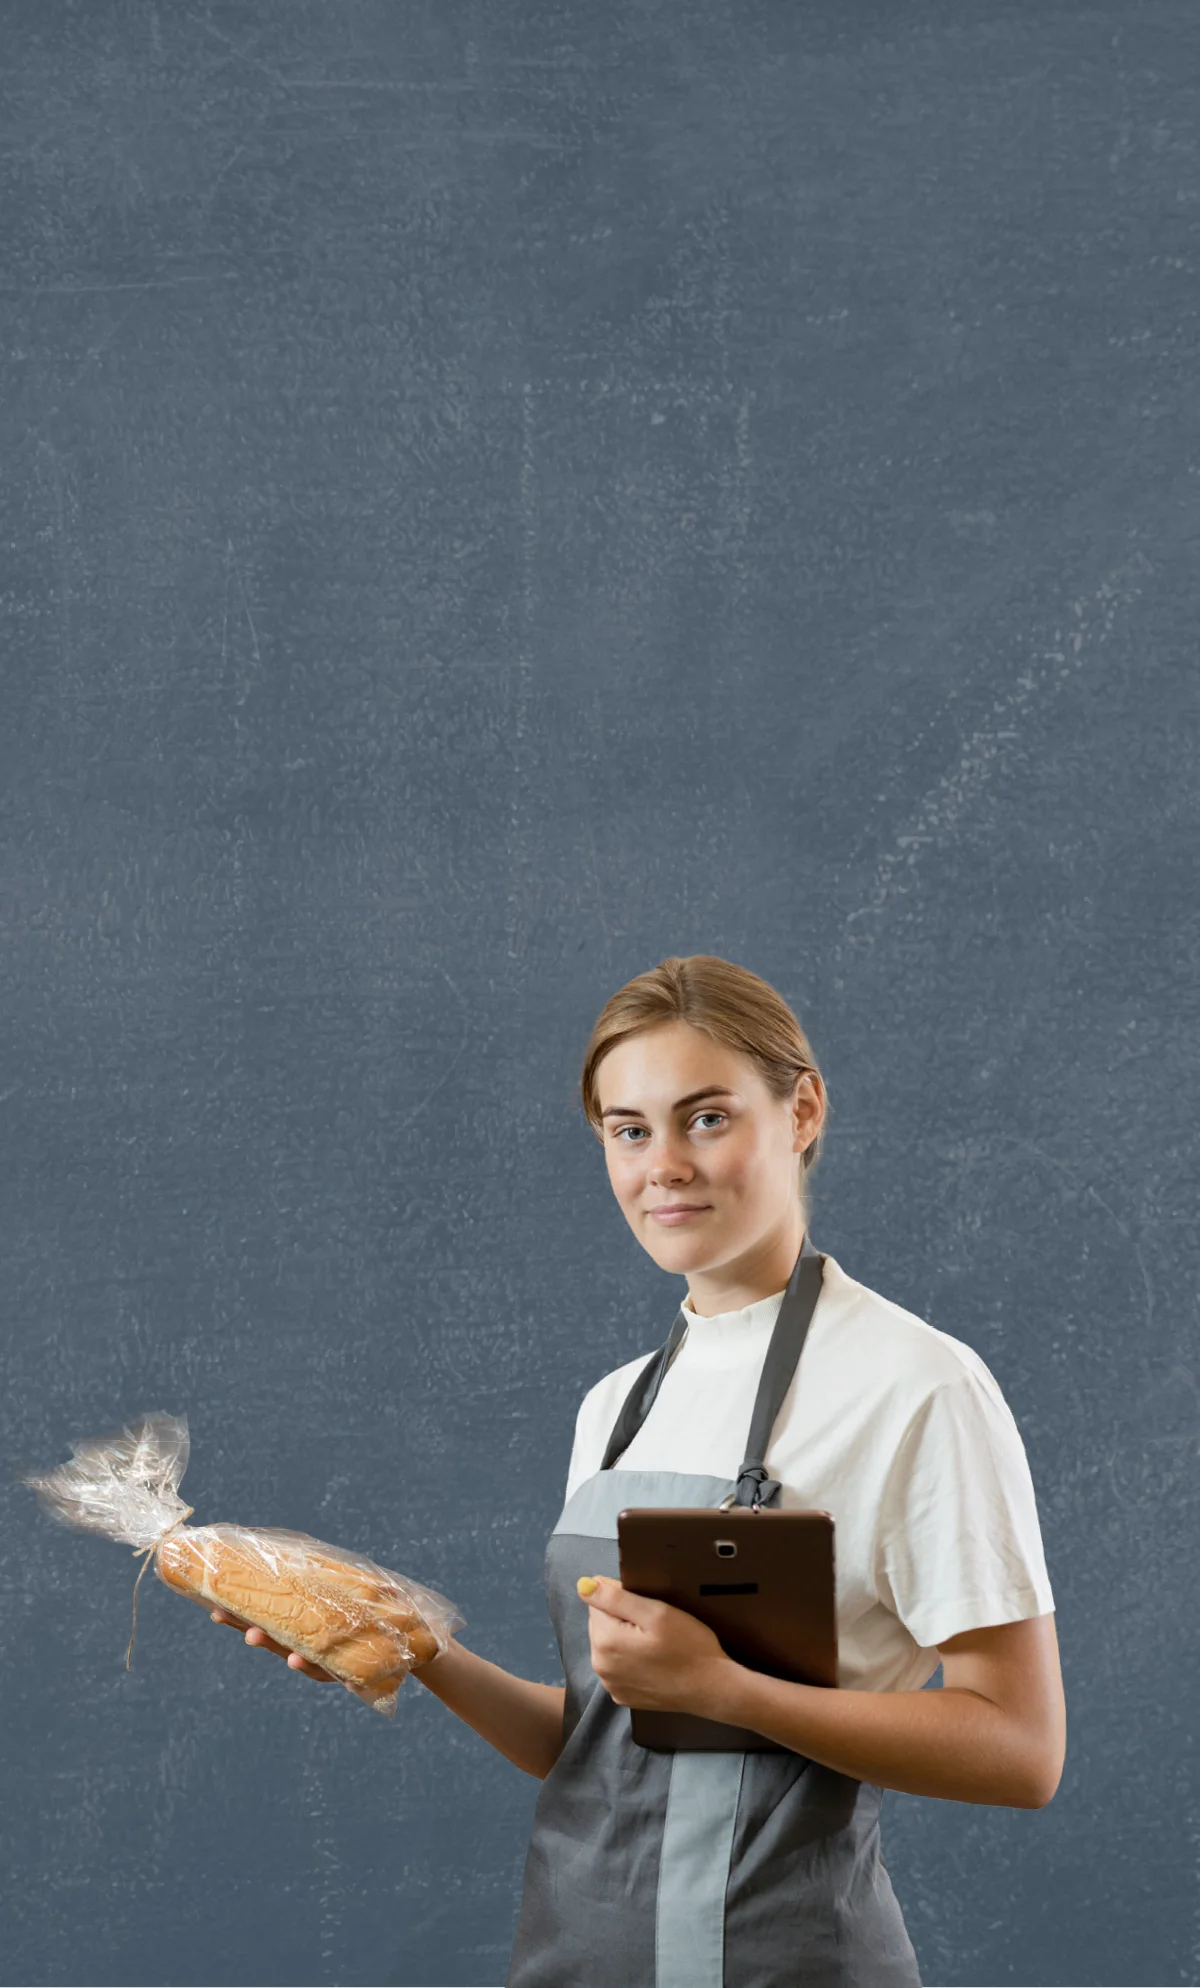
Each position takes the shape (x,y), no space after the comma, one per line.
(521,1719)
(954,1744)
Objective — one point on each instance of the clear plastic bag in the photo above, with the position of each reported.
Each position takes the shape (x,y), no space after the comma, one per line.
(366,1625)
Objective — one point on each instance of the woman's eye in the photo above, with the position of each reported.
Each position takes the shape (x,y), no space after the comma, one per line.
(622,1130)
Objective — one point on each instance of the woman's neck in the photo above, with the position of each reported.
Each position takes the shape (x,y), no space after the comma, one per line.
(758,1273)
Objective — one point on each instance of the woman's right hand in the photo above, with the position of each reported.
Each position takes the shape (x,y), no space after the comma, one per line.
(258,1639)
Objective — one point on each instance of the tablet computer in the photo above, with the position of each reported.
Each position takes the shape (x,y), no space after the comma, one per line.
(764,1582)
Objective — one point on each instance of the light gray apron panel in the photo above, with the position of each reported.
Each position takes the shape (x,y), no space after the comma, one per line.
(591,1511)
(693,1871)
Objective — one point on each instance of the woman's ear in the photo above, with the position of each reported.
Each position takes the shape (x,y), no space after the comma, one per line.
(808,1108)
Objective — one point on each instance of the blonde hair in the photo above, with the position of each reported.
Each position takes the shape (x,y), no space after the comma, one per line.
(729,1003)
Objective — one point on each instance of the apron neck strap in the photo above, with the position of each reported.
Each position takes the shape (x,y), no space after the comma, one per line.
(754,1487)
(799,1301)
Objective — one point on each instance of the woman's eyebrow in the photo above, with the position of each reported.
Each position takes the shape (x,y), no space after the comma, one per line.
(631,1110)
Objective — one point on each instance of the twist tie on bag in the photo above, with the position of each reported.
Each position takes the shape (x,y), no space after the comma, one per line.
(148,1553)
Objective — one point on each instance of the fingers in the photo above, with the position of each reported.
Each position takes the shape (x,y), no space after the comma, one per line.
(258,1639)
(297,1662)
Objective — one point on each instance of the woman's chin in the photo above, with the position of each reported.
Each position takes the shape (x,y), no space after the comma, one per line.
(679,1246)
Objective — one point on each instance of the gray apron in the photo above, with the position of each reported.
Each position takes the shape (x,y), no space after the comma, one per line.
(694,1870)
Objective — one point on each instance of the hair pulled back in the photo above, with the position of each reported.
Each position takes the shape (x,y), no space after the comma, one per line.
(729,1003)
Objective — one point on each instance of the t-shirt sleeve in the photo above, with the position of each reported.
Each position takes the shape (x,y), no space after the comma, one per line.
(959,1544)
(585,1449)
(593,1423)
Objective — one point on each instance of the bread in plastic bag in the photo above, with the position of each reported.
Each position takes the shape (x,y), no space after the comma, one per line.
(367,1626)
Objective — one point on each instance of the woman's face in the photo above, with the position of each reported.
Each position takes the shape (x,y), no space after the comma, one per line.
(734,1150)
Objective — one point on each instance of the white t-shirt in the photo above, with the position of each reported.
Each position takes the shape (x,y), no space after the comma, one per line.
(897,1429)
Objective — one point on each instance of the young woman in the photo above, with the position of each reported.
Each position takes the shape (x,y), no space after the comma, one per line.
(762,1869)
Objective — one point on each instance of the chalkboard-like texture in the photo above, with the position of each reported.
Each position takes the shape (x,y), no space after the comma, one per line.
(491,497)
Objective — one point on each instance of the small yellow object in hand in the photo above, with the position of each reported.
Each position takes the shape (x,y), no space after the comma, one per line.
(587,1584)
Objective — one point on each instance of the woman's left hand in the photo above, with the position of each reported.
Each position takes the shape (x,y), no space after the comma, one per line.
(647,1653)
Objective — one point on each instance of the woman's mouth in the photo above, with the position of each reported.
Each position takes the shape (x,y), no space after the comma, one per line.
(672,1217)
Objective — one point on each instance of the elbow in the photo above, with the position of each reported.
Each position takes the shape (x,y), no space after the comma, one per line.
(1041,1785)
(1036,1764)
(1045,1794)
(1031,1798)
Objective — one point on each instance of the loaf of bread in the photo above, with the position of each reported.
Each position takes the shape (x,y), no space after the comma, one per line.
(363,1624)
(354,1620)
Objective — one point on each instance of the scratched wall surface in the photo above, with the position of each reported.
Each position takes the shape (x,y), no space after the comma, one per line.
(492,497)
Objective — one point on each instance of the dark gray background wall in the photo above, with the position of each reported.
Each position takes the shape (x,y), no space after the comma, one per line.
(492,497)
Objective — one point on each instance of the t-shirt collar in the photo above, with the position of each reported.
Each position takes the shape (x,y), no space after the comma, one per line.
(729,1338)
